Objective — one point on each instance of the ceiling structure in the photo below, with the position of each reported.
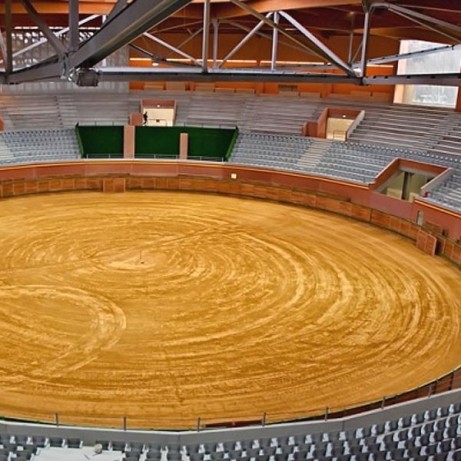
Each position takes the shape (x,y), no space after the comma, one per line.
(208,40)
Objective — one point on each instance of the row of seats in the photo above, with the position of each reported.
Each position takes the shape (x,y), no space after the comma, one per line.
(431,434)
(28,146)
(351,161)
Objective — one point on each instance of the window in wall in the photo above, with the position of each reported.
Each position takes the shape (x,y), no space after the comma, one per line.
(440,62)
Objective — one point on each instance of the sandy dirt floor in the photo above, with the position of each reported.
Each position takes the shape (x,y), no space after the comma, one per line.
(165,307)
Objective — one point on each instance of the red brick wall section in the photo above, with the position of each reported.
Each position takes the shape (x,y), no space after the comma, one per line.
(426,242)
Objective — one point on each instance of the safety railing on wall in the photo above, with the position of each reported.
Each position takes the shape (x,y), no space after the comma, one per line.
(451,381)
(97,156)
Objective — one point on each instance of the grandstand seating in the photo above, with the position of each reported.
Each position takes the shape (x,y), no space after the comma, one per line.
(285,114)
(248,111)
(406,433)
(389,126)
(270,150)
(352,161)
(448,194)
(30,146)
(269,131)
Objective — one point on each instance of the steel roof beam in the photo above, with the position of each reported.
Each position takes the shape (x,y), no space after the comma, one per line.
(424,17)
(364,47)
(224,75)
(130,23)
(429,22)
(246,7)
(242,42)
(413,54)
(329,54)
(42,25)
(171,47)
(9,39)
(155,58)
(206,34)
(196,74)
(263,35)
(452,79)
(58,34)
(190,38)
(118,7)
(48,70)
(275,41)
(74,38)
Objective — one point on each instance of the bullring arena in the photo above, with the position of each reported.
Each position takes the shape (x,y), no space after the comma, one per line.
(230,230)
(163,307)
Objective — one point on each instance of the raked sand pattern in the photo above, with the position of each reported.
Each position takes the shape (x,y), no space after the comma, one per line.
(166,307)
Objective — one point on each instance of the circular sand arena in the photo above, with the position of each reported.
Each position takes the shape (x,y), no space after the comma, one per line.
(166,307)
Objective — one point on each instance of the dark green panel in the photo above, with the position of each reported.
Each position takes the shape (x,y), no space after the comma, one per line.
(154,141)
(101,141)
(207,143)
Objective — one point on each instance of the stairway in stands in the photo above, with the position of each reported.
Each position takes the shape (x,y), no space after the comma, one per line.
(390,127)
(313,154)
(67,110)
(275,115)
(449,141)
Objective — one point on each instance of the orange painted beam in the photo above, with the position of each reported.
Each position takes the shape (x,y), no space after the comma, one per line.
(229,10)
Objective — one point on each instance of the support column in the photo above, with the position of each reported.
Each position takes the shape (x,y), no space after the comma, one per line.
(366,33)
(406,185)
(275,41)
(128,141)
(183,146)
(8,59)
(215,42)
(206,34)
(74,24)
(351,40)
(458,101)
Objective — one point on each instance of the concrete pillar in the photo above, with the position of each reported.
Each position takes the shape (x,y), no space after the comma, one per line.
(183,146)
(136,119)
(458,101)
(128,141)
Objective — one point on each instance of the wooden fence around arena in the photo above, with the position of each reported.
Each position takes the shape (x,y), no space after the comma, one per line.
(357,201)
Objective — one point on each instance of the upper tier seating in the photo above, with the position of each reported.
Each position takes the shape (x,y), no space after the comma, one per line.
(413,127)
(431,129)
